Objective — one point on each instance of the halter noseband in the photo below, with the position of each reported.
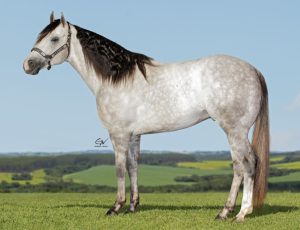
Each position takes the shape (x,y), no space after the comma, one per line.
(51,56)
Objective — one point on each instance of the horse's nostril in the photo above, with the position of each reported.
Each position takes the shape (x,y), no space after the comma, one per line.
(31,64)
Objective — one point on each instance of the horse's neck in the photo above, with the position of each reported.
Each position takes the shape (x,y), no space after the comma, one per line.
(77,60)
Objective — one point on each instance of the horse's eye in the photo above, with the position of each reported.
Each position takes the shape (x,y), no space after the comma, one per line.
(55,39)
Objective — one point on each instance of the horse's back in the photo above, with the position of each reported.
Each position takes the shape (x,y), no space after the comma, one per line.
(179,95)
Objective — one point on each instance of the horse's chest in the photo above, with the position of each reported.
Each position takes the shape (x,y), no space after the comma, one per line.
(117,111)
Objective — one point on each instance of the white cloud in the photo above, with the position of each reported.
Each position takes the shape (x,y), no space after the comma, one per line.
(295,103)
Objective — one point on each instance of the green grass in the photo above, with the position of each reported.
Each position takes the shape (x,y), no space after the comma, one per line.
(274,159)
(148,175)
(292,177)
(4,176)
(290,165)
(38,176)
(225,164)
(165,175)
(157,211)
(222,164)
(206,165)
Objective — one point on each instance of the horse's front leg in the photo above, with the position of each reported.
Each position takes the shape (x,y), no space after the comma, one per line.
(120,142)
(132,168)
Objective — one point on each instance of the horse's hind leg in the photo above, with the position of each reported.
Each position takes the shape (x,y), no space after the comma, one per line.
(132,168)
(236,182)
(249,171)
(243,165)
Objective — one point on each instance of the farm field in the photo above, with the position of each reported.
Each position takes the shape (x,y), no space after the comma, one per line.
(160,173)
(148,175)
(157,211)
(274,159)
(38,176)
(292,177)
(206,165)
(290,165)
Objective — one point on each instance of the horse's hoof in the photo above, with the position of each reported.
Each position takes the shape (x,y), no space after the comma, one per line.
(219,217)
(133,208)
(238,219)
(111,212)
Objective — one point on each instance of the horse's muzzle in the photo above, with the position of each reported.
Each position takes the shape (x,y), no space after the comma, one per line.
(31,67)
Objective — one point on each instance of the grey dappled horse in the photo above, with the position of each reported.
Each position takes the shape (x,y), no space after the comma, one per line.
(136,95)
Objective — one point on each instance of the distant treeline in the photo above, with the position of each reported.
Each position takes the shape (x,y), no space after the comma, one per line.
(289,157)
(76,162)
(207,183)
(73,163)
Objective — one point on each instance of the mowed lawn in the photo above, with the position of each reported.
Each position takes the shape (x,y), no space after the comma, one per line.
(148,175)
(157,211)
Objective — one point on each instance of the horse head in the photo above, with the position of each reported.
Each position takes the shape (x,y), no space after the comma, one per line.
(52,46)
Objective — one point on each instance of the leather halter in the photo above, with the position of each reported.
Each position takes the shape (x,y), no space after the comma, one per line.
(51,56)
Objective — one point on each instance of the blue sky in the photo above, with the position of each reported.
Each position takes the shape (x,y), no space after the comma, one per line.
(55,111)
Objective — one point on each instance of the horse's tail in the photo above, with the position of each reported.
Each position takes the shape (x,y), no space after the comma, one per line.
(261,146)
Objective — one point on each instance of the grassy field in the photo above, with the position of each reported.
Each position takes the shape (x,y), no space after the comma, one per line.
(151,175)
(148,175)
(37,177)
(157,211)
(292,177)
(290,165)
(207,165)
(274,159)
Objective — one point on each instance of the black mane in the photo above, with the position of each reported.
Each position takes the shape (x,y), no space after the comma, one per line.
(110,61)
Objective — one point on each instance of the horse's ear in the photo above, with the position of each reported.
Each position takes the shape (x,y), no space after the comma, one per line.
(52,18)
(62,19)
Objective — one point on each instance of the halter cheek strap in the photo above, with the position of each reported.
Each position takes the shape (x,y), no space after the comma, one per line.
(51,56)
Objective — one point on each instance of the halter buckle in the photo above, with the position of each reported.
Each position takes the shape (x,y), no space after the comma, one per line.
(49,65)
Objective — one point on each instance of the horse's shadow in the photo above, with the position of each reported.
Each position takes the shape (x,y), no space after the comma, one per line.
(262,211)
(272,209)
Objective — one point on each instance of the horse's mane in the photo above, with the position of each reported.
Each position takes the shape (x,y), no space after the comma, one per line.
(110,61)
